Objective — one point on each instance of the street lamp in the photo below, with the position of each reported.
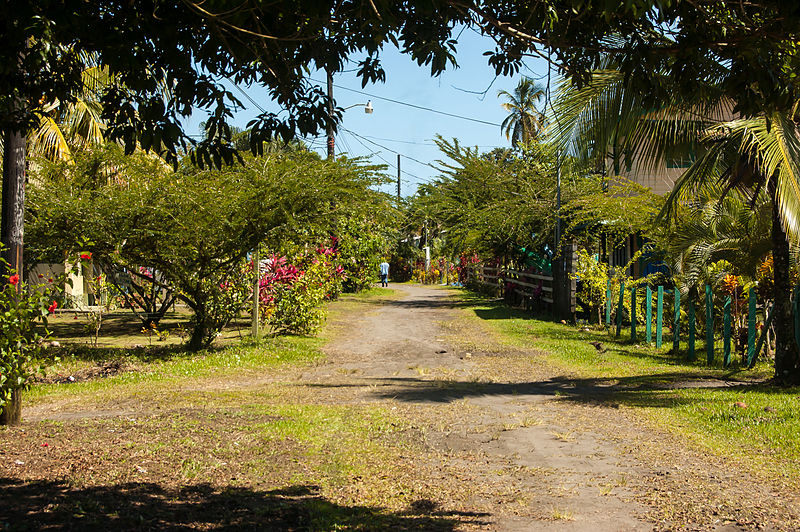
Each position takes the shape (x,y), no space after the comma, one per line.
(331,142)
(367,109)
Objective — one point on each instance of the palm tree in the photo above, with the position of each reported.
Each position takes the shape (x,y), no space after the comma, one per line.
(754,155)
(524,121)
(64,127)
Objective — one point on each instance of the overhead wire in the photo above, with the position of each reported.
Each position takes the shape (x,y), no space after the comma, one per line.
(378,155)
(415,106)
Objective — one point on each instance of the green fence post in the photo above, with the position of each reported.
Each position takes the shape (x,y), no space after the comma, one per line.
(692,327)
(709,325)
(648,313)
(608,303)
(752,360)
(676,322)
(620,307)
(659,315)
(726,332)
(633,314)
(796,315)
(751,324)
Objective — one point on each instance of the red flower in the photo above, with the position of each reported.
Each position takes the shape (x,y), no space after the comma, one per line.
(14,279)
(41,276)
(53,306)
(86,256)
(50,280)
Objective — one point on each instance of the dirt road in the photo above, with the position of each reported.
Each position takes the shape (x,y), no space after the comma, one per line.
(456,430)
(529,467)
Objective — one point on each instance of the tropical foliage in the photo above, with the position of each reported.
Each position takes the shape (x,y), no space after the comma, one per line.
(196,227)
(524,122)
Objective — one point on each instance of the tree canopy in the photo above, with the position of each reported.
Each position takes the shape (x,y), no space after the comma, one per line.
(169,57)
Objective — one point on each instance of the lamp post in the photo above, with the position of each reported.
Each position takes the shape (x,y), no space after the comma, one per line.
(331,141)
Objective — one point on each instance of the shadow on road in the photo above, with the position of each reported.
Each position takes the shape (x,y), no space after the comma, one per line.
(430,303)
(642,391)
(37,505)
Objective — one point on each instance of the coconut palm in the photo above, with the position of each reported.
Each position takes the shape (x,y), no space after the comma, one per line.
(754,155)
(607,122)
(64,127)
(759,154)
(524,121)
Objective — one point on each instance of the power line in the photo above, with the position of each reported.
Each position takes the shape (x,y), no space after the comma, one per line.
(426,143)
(414,105)
(391,150)
(377,154)
(263,111)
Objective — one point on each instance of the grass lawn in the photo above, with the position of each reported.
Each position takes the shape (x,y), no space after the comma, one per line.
(218,438)
(733,412)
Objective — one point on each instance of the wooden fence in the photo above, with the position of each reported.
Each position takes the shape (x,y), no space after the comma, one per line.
(754,344)
(530,287)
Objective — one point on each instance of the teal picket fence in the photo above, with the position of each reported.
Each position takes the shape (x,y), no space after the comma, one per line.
(726,320)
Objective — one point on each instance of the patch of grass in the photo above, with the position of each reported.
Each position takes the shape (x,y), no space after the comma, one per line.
(338,440)
(559,514)
(179,365)
(689,398)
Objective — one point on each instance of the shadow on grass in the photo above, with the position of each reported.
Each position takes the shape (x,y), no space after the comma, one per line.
(45,504)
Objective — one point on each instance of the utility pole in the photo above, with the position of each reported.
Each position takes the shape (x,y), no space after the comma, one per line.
(331,141)
(13,204)
(398,178)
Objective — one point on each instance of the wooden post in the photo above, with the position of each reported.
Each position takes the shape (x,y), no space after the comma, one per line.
(633,314)
(256,294)
(692,327)
(751,323)
(709,325)
(648,314)
(676,322)
(608,303)
(620,307)
(659,315)
(726,332)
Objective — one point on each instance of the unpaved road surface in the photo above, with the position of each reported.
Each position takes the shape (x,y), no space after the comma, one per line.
(514,449)
(513,439)
(489,438)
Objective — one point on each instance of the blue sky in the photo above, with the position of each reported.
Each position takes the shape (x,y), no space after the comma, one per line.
(469,91)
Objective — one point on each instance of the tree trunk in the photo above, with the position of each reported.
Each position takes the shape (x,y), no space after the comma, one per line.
(12,411)
(13,205)
(197,340)
(787,355)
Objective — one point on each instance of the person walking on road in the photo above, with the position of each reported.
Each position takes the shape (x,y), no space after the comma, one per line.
(384,273)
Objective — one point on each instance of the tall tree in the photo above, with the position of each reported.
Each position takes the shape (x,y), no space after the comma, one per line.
(524,121)
(759,154)
(754,155)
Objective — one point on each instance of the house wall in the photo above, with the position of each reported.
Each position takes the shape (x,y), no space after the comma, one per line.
(76,292)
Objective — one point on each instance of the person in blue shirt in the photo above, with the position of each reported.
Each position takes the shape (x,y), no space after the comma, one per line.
(384,273)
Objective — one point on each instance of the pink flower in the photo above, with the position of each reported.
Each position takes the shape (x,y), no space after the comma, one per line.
(13,279)
(53,306)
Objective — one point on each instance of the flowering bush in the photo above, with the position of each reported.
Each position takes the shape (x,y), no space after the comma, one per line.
(23,328)
(291,294)
(298,307)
